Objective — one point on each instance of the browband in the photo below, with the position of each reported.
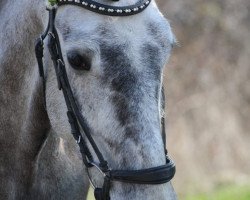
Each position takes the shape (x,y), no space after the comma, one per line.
(106,9)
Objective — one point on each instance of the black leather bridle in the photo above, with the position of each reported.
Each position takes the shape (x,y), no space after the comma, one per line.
(156,175)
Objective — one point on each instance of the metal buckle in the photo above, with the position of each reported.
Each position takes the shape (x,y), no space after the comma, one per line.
(41,39)
(60,61)
(52,34)
(79,140)
(104,174)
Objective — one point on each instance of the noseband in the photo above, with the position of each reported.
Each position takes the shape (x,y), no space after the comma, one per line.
(152,176)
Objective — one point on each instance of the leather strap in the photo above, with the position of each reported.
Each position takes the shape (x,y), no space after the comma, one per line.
(103,9)
(151,176)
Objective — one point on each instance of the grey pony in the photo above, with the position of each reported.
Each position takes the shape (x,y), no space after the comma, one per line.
(119,96)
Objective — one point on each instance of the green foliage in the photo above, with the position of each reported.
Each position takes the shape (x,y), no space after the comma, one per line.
(52,2)
(223,193)
(91,194)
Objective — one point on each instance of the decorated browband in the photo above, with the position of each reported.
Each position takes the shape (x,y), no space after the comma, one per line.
(104,9)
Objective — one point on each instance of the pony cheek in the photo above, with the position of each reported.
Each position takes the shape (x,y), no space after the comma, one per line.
(57,113)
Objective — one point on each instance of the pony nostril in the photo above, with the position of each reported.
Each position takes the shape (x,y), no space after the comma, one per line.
(78,61)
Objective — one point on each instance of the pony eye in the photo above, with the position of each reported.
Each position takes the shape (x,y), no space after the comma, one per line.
(77,61)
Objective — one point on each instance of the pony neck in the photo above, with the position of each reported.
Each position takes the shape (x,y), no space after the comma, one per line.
(23,120)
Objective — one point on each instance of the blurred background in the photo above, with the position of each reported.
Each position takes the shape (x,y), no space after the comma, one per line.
(207,83)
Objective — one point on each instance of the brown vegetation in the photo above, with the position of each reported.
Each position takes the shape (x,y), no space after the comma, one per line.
(208,92)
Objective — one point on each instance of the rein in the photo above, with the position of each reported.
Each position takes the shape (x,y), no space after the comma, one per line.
(152,176)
